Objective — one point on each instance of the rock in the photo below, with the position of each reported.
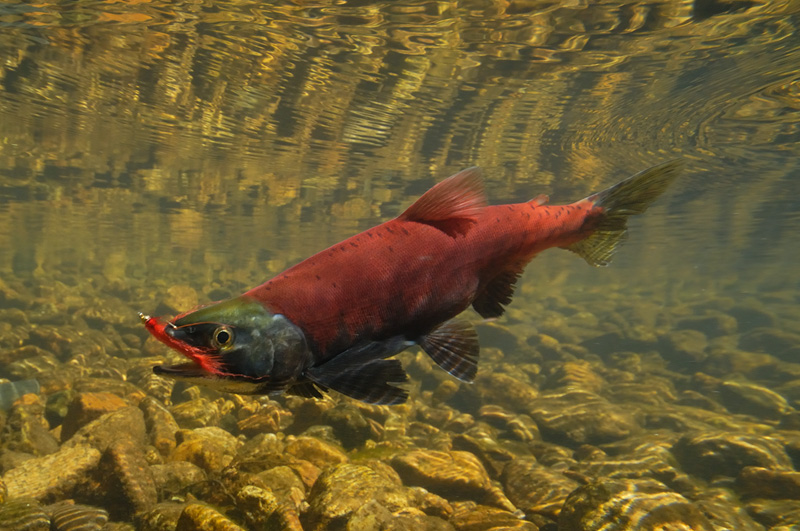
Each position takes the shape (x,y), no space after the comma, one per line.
(372,515)
(154,386)
(54,476)
(197,413)
(484,445)
(752,399)
(516,427)
(536,489)
(776,515)
(176,476)
(469,516)
(86,407)
(505,391)
(198,517)
(684,348)
(269,418)
(107,429)
(714,325)
(621,505)
(724,510)
(27,430)
(315,451)
(69,516)
(343,489)
(23,514)
(160,424)
(258,505)
(456,475)
(577,417)
(579,375)
(350,426)
(775,341)
(758,482)
(212,449)
(163,517)
(127,480)
(285,484)
(726,454)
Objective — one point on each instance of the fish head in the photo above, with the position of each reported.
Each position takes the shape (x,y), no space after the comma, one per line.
(236,345)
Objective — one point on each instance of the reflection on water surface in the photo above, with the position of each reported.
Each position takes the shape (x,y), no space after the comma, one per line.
(158,155)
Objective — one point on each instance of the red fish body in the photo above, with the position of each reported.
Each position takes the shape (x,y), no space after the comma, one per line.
(353,305)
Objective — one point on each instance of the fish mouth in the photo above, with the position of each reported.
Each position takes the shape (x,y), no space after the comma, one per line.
(189,369)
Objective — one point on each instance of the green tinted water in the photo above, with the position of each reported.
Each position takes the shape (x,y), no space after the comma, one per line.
(159,154)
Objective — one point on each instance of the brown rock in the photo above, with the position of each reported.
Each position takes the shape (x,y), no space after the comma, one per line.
(128,481)
(176,476)
(161,426)
(343,489)
(611,505)
(536,489)
(725,454)
(212,449)
(103,431)
(469,516)
(758,482)
(53,476)
(86,407)
(315,451)
(198,517)
(454,475)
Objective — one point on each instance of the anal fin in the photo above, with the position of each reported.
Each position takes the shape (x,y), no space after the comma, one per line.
(454,347)
(362,372)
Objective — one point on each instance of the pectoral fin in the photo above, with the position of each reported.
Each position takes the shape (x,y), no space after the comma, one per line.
(363,374)
(454,347)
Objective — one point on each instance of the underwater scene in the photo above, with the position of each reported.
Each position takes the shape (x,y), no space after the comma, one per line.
(159,159)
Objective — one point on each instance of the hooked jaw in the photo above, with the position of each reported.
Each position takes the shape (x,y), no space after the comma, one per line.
(236,345)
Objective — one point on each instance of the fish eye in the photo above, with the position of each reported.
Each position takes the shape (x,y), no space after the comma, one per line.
(223,337)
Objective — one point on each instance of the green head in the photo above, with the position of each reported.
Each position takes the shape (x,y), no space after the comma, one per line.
(236,345)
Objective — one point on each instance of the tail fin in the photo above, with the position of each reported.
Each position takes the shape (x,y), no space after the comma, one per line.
(627,198)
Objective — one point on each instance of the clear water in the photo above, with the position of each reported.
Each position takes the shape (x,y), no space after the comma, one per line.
(146,145)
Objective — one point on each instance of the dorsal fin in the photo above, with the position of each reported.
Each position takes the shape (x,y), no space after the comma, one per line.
(540,199)
(451,205)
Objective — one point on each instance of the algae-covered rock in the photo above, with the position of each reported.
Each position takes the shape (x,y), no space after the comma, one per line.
(469,516)
(127,481)
(536,489)
(579,417)
(623,505)
(24,514)
(726,454)
(86,407)
(753,399)
(199,517)
(108,428)
(455,475)
(342,489)
(758,482)
(315,451)
(69,516)
(54,476)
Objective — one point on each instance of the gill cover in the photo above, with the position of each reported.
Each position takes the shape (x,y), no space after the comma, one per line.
(236,345)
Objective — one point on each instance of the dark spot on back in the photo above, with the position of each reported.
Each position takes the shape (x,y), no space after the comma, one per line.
(405,231)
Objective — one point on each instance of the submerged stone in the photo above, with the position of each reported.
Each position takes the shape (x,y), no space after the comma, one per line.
(454,475)
(726,454)
(536,489)
(625,505)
